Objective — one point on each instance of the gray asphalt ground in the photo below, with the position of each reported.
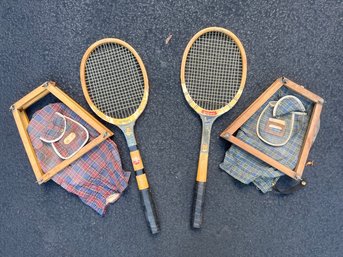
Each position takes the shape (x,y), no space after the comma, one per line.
(45,40)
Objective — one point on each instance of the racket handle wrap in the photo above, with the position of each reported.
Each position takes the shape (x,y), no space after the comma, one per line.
(198,204)
(150,211)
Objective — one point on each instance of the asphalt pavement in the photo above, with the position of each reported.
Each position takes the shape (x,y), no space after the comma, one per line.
(301,40)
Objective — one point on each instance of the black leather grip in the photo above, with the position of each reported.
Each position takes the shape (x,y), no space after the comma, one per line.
(150,211)
(198,203)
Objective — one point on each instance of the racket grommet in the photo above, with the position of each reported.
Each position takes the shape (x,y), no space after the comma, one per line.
(12,108)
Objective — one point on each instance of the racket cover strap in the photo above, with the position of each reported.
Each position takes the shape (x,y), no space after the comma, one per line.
(291,189)
(198,204)
(150,210)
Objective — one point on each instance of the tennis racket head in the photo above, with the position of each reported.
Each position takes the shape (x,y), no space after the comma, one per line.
(213,71)
(114,81)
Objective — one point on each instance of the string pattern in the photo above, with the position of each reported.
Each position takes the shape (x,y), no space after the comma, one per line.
(114,80)
(213,70)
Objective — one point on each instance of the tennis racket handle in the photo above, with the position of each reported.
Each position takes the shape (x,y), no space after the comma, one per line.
(198,204)
(150,211)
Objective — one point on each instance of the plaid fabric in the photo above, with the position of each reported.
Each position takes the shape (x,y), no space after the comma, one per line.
(287,105)
(265,130)
(66,136)
(247,168)
(54,129)
(73,139)
(294,119)
(96,178)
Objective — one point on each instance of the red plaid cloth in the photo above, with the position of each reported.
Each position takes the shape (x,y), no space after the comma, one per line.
(97,178)
(66,136)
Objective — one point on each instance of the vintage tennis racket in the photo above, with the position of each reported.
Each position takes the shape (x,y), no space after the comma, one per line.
(213,74)
(115,84)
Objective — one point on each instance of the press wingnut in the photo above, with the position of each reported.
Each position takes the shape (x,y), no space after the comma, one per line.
(227,136)
(309,163)
(321,101)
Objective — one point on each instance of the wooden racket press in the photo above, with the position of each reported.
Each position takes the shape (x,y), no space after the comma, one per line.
(309,138)
(20,116)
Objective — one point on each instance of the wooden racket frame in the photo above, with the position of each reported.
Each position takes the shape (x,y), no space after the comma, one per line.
(22,121)
(190,101)
(207,117)
(310,135)
(126,125)
(144,101)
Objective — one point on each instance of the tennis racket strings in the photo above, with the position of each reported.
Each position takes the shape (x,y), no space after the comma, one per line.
(114,80)
(213,70)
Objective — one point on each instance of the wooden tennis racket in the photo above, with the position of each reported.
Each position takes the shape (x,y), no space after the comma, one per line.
(213,74)
(115,84)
